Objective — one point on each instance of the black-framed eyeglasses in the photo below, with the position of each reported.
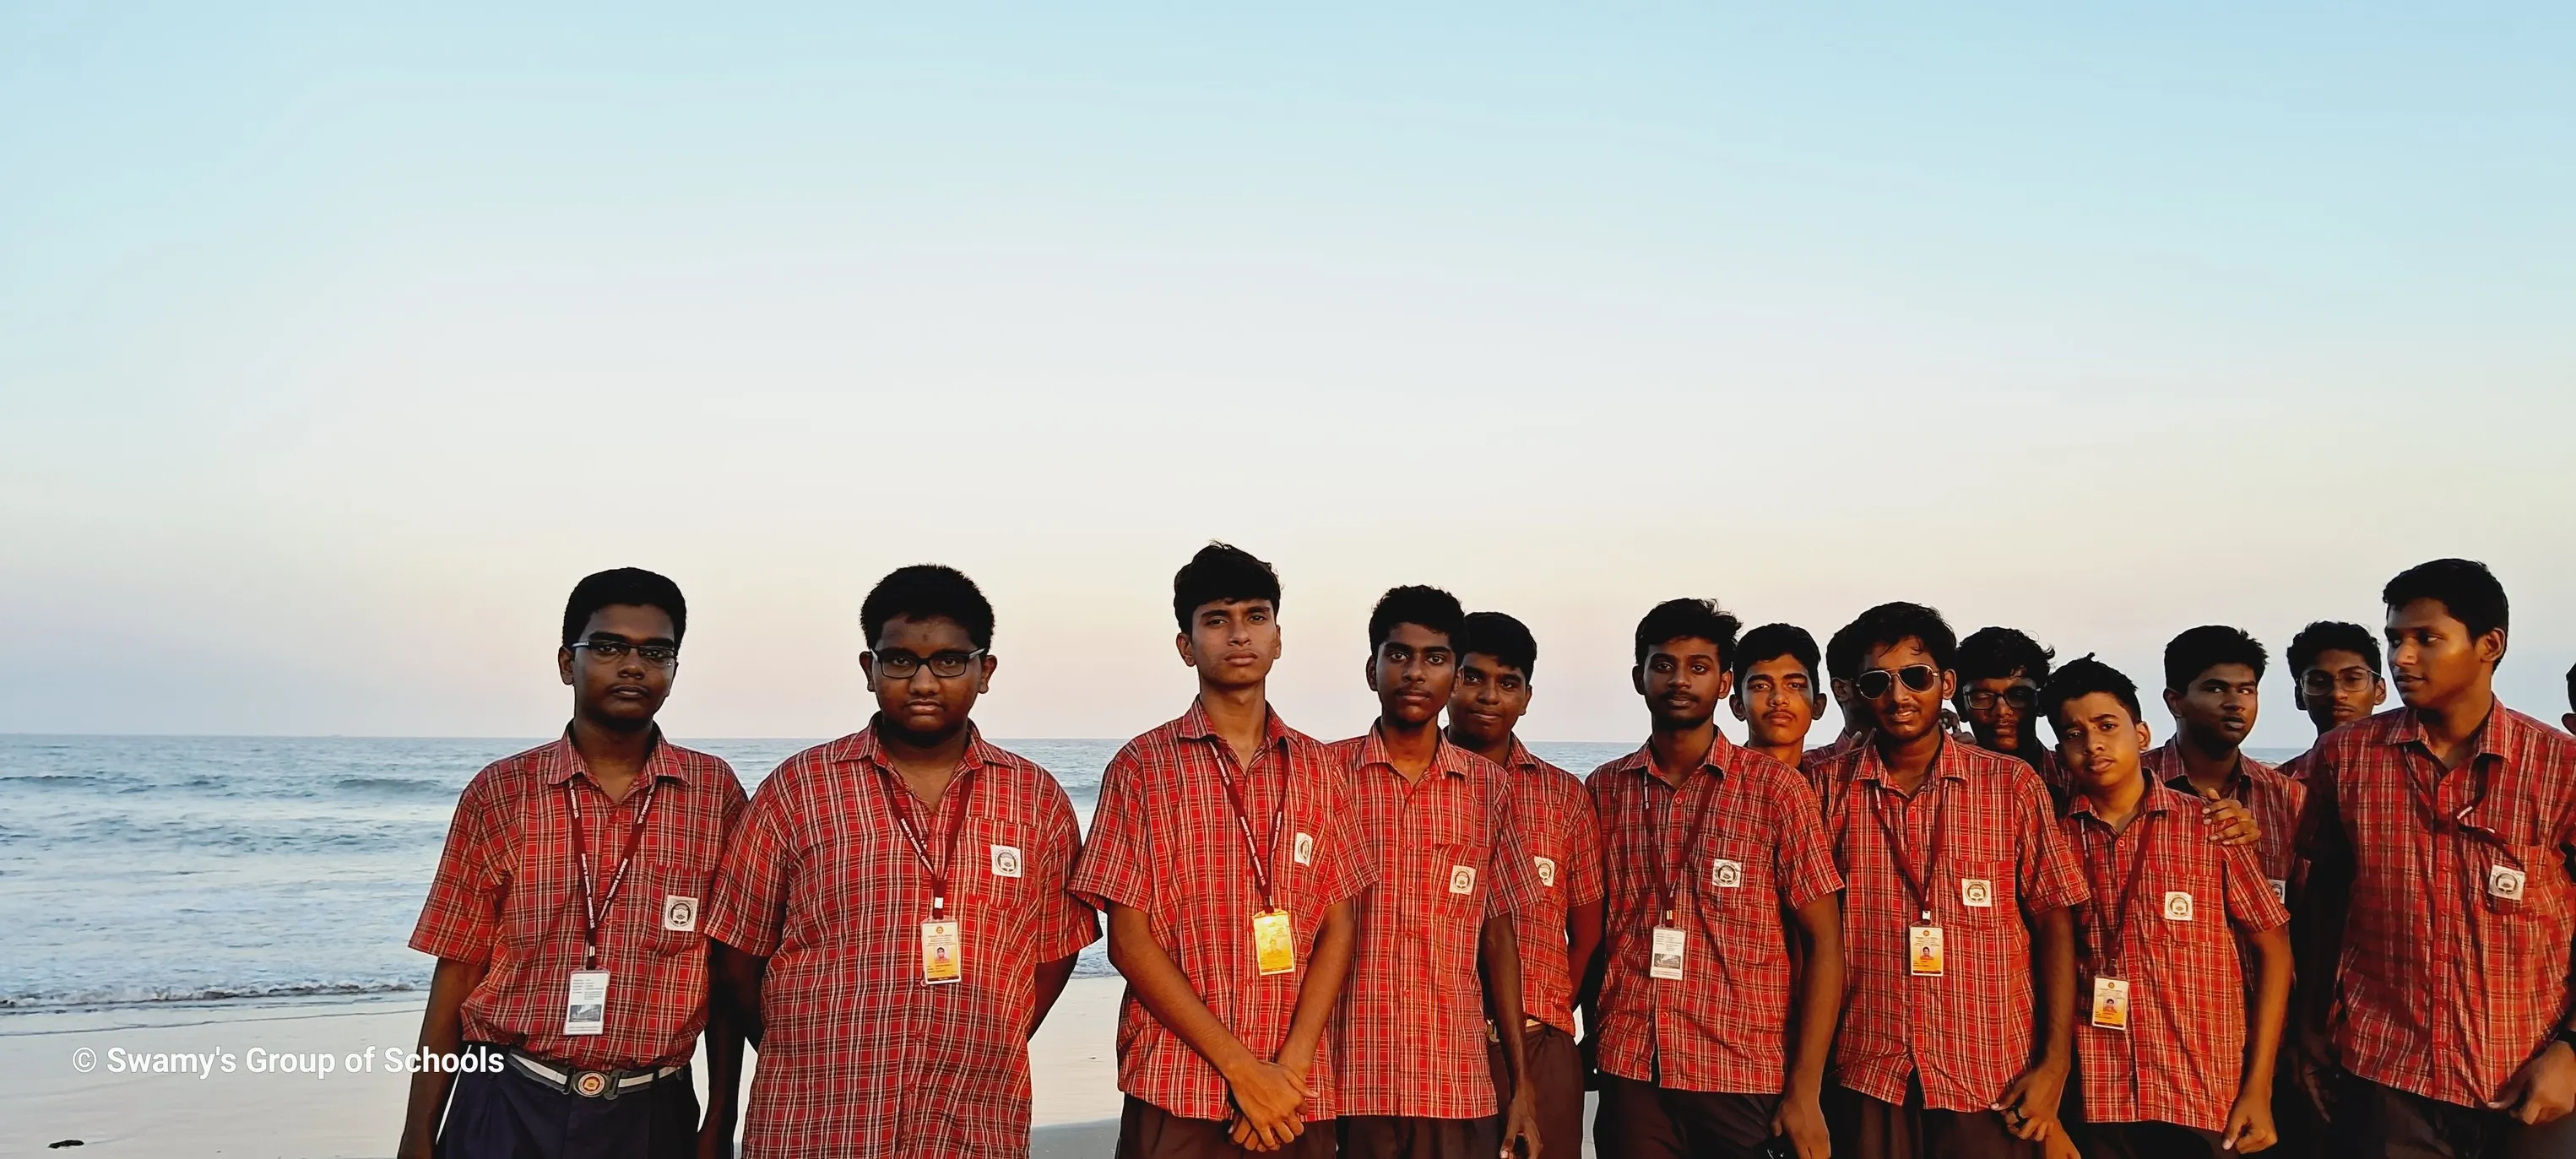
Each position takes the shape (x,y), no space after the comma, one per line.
(2018,696)
(944,665)
(612,651)
(1876,682)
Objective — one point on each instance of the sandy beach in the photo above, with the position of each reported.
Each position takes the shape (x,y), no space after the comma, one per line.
(274,1105)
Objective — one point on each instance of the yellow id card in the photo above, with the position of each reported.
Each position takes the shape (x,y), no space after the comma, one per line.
(940,953)
(1274,942)
(1923,950)
(2111,1003)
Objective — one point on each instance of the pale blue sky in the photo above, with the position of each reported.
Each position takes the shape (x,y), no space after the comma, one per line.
(335,344)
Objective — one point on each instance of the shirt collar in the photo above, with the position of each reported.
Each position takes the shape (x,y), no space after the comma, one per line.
(2496,738)
(1947,764)
(1520,759)
(564,761)
(1195,725)
(1720,759)
(1445,757)
(2180,780)
(2160,798)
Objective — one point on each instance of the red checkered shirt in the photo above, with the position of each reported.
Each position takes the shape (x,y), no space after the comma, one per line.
(1557,827)
(1411,1025)
(2182,1056)
(2272,798)
(859,1056)
(1830,751)
(2296,768)
(2447,988)
(1759,853)
(1967,1031)
(1164,841)
(508,894)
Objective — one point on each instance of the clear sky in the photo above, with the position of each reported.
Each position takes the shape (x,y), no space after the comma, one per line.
(335,343)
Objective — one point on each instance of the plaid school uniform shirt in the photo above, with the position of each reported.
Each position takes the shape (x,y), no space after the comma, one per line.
(2455,949)
(1969,1030)
(1740,844)
(2273,798)
(1165,841)
(2296,768)
(860,1056)
(1411,1025)
(1563,838)
(2187,901)
(508,894)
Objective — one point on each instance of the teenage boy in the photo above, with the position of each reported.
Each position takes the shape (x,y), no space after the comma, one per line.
(1417,1081)
(2000,671)
(2168,1065)
(1777,694)
(1960,887)
(564,918)
(1558,932)
(2338,680)
(2438,914)
(1224,852)
(2213,682)
(893,906)
(1703,1049)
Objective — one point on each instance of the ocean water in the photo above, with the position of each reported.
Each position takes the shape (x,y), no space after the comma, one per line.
(166,870)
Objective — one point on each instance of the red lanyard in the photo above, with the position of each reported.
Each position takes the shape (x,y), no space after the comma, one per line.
(593,904)
(898,801)
(2114,942)
(1664,888)
(1259,852)
(1896,847)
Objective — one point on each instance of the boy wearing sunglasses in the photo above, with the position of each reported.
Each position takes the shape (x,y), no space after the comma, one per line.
(2433,935)
(1959,888)
(2338,680)
(2213,679)
(893,911)
(2000,671)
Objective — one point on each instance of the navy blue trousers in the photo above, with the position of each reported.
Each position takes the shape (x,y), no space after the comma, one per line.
(507,1115)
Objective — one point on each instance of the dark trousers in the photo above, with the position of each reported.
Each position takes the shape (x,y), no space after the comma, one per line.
(1146,1131)
(2148,1140)
(2377,1122)
(1867,1128)
(1639,1120)
(1408,1137)
(1556,1088)
(508,1115)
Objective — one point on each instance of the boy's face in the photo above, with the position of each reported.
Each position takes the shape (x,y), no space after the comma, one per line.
(2431,655)
(1682,681)
(1488,699)
(1777,701)
(923,702)
(2338,688)
(1232,643)
(2219,703)
(1888,677)
(1998,710)
(2100,741)
(628,689)
(1413,672)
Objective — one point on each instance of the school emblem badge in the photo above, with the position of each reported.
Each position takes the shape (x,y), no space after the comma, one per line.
(1727,875)
(2177,906)
(1977,893)
(1006,861)
(679,912)
(1462,879)
(1546,867)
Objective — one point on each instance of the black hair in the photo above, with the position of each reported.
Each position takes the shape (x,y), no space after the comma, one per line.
(1415,604)
(631,586)
(1889,624)
(2206,647)
(2332,636)
(1770,642)
(925,590)
(1688,619)
(1501,637)
(2571,688)
(1989,653)
(2464,586)
(2082,677)
(1842,653)
(1221,573)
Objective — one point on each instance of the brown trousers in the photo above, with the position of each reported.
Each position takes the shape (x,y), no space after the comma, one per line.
(1556,1086)
(1408,1137)
(1865,1128)
(1146,1131)
(1640,1120)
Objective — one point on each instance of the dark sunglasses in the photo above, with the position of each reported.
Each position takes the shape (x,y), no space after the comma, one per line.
(1876,682)
(2018,696)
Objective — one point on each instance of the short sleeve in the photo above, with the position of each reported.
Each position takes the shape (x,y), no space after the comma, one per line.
(1116,864)
(1516,885)
(1583,879)
(1068,923)
(749,910)
(462,918)
(2250,903)
(1348,865)
(2051,876)
(1803,860)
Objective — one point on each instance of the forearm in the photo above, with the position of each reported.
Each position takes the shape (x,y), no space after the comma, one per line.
(1583,940)
(1051,977)
(739,976)
(1820,993)
(1158,983)
(1326,970)
(2271,1006)
(1501,962)
(724,1057)
(2316,940)
(2056,930)
(442,1033)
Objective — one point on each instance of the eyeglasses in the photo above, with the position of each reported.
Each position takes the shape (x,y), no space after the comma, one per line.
(2318,681)
(2018,696)
(612,651)
(1876,682)
(944,665)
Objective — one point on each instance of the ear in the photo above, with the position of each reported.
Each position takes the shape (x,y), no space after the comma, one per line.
(2143,736)
(1735,701)
(2378,691)
(1181,644)
(1950,685)
(2173,704)
(563,665)
(1368,671)
(868,670)
(1726,684)
(2298,698)
(1636,679)
(984,680)
(2491,646)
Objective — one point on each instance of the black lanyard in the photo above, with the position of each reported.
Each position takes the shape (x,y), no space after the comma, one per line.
(1258,852)
(2115,942)
(593,904)
(898,802)
(1922,886)
(1664,889)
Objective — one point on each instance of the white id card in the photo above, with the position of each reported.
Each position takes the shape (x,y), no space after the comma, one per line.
(2111,1003)
(586,1003)
(1669,945)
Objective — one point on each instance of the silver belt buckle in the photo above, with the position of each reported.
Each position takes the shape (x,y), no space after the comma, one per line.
(591,1084)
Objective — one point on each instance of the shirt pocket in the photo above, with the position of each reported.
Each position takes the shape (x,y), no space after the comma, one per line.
(2519,880)
(673,906)
(1983,892)
(2185,909)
